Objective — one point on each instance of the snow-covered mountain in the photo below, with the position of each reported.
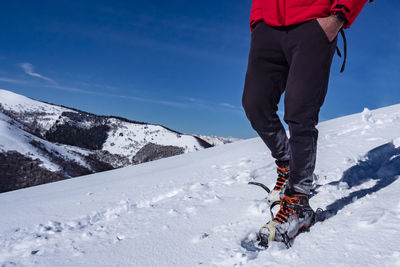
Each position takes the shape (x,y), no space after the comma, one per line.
(41,142)
(197,208)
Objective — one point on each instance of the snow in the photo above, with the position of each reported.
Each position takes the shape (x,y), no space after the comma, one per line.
(396,142)
(13,138)
(196,208)
(47,113)
(128,138)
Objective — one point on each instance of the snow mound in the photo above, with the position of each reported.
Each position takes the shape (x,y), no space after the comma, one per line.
(197,208)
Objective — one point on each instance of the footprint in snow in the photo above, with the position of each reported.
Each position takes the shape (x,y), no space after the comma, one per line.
(244,162)
(226,167)
(198,187)
(258,207)
(173,212)
(8,264)
(191,210)
(215,198)
(234,257)
(199,238)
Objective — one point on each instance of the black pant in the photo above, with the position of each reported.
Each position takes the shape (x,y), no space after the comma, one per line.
(296,60)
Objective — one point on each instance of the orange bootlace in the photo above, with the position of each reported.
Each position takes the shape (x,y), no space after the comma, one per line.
(286,209)
(283,173)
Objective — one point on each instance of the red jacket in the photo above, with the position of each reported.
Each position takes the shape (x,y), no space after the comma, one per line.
(288,12)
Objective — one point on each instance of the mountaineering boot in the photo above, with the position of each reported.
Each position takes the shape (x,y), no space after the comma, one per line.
(277,193)
(294,216)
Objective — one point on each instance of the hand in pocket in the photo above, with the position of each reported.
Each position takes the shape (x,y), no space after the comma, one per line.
(331,26)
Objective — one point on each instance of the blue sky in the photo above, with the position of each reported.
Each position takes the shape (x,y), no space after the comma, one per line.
(177,63)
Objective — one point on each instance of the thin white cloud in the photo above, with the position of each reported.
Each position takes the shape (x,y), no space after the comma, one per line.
(184,102)
(102,86)
(190,99)
(227,105)
(9,80)
(28,69)
(135,98)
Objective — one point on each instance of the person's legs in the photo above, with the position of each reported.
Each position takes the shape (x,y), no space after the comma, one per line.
(265,82)
(309,54)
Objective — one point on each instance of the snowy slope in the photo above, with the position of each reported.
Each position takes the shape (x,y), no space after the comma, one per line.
(196,209)
(13,138)
(48,114)
(127,138)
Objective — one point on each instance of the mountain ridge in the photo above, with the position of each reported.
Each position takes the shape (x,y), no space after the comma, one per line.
(70,142)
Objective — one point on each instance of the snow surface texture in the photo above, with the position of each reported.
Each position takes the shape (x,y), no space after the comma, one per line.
(196,209)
